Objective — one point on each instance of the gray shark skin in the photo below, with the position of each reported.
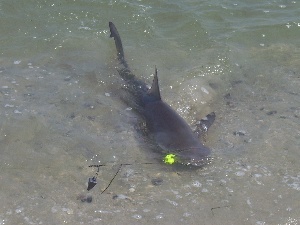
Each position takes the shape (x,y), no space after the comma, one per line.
(169,130)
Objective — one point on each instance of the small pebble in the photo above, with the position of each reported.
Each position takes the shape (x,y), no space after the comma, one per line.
(67,210)
(92,118)
(137,216)
(72,115)
(84,198)
(196,184)
(131,190)
(120,196)
(157,181)
(240,173)
(239,133)
(68,78)
(17,111)
(89,199)
(271,112)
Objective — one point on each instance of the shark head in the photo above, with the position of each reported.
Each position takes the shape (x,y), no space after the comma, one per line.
(199,156)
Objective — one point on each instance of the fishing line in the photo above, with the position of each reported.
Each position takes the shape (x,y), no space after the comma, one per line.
(92,181)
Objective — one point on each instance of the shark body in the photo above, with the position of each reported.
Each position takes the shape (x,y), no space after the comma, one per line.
(168,129)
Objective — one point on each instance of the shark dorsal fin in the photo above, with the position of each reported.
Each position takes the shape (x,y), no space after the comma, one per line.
(154,90)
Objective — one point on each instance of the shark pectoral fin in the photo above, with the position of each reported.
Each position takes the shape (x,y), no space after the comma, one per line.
(207,121)
(204,124)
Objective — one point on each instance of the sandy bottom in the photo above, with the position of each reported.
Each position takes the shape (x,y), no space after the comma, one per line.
(57,122)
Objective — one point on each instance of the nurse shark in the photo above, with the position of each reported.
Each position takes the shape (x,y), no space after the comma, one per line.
(165,126)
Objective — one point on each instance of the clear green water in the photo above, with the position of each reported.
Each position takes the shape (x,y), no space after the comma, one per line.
(61,111)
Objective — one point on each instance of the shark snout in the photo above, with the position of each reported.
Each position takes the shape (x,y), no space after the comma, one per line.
(194,156)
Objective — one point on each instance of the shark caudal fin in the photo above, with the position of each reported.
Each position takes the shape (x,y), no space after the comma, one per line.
(115,34)
(154,90)
(137,88)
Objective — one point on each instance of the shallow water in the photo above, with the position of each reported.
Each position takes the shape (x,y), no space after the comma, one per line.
(61,111)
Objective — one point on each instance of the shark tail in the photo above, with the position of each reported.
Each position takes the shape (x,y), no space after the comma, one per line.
(134,86)
(115,34)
